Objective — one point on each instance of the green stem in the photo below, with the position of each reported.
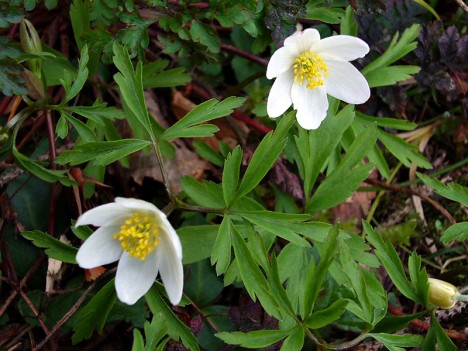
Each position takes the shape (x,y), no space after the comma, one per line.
(460,297)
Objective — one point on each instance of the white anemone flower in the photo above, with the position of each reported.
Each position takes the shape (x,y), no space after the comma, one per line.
(138,235)
(308,68)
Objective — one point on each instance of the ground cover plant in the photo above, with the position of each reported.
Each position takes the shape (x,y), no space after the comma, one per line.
(230,175)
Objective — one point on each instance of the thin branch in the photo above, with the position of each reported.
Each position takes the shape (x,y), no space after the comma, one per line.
(434,203)
(248,55)
(462,5)
(72,310)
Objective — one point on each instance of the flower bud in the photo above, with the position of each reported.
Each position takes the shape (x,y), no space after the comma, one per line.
(442,294)
(31,44)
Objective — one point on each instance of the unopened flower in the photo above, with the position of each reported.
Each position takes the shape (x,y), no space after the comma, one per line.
(138,235)
(442,294)
(308,68)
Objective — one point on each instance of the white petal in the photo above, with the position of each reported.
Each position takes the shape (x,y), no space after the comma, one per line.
(341,48)
(171,270)
(311,105)
(108,214)
(279,98)
(346,83)
(301,42)
(136,204)
(99,249)
(170,237)
(281,61)
(135,277)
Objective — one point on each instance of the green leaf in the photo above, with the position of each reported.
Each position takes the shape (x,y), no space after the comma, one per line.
(202,149)
(81,77)
(101,152)
(391,324)
(201,131)
(204,112)
(83,130)
(80,20)
(255,339)
(405,152)
(316,146)
(347,176)
(94,314)
(325,14)
(49,175)
(396,50)
(176,329)
(204,34)
(394,342)
(221,254)
(131,86)
(387,122)
(82,232)
(390,75)
(54,248)
(418,277)
(278,224)
(252,277)
(266,155)
(316,276)
(11,80)
(155,77)
(98,112)
(197,242)
(201,284)
(348,25)
(9,15)
(458,232)
(391,261)
(295,340)
(437,333)
(328,315)
(452,191)
(231,175)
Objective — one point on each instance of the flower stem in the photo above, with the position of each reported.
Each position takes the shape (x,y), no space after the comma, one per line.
(460,297)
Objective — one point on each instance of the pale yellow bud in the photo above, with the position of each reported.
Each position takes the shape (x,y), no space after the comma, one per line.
(442,294)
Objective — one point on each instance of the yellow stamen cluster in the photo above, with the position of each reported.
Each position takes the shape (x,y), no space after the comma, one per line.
(310,67)
(138,235)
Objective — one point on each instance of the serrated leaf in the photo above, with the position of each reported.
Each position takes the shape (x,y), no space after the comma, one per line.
(437,337)
(131,86)
(221,255)
(49,175)
(204,112)
(205,35)
(452,191)
(418,277)
(203,150)
(176,329)
(391,261)
(101,152)
(197,242)
(295,340)
(54,248)
(387,122)
(327,316)
(11,80)
(278,226)
(83,130)
(316,146)
(10,15)
(153,77)
(398,48)
(201,131)
(394,342)
(94,314)
(405,152)
(347,176)
(81,77)
(254,340)
(230,178)
(458,232)
(315,276)
(266,155)
(390,75)
(80,20)
(252,277)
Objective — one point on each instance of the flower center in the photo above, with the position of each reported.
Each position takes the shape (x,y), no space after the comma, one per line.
(310,67)
(138,235)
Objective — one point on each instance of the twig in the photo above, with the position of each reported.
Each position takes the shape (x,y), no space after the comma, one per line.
(462,5)
(34,310)
(72,310)
(453,334)
(434,203)
(245,54)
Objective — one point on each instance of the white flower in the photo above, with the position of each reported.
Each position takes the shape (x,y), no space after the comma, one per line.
(308,68)
(138,235)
